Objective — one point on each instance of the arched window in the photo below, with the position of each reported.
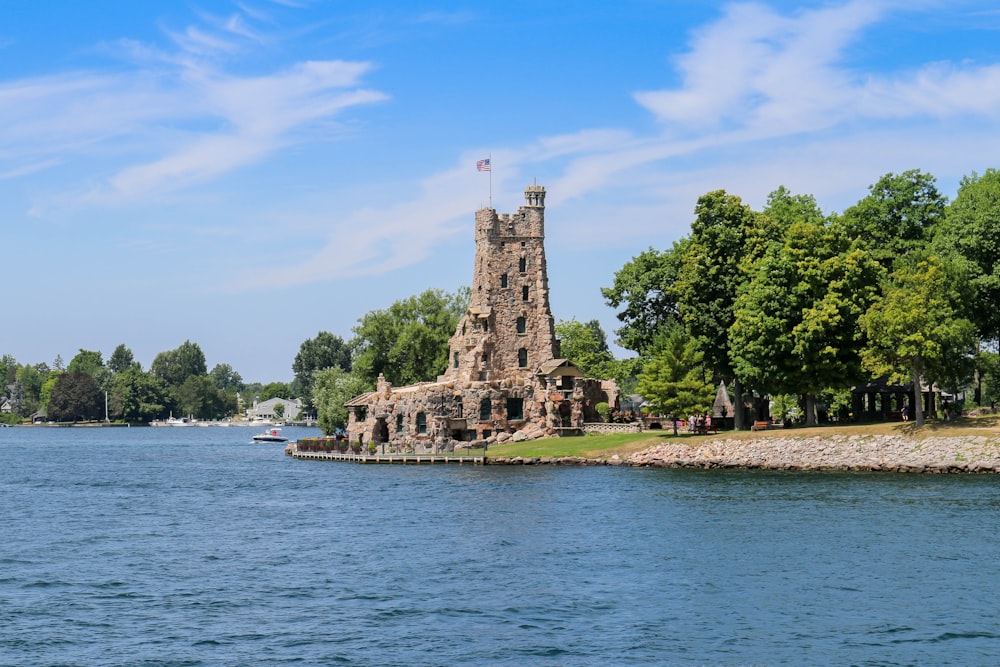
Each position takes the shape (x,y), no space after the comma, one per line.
(485,410)
(522,358)
(521,325)
(421,423)
(522,265)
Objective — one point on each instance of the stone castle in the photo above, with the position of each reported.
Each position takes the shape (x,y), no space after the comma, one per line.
(505,378)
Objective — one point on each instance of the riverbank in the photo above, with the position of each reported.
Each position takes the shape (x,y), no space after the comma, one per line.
(873,452)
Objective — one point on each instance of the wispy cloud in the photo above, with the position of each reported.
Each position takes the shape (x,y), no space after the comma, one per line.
(753,83)
(173,118)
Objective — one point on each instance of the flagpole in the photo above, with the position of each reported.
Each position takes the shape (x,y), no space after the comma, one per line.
(491,179)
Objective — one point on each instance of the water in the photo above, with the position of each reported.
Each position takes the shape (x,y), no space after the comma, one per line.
(194,547)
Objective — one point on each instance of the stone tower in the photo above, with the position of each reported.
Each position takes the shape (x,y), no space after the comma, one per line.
(508,330)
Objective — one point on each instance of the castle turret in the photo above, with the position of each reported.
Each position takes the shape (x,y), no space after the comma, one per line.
(508,329)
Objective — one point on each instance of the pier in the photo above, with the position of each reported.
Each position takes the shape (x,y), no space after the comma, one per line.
(398,459)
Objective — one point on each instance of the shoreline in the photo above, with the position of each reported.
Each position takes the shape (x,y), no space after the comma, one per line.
(867,453)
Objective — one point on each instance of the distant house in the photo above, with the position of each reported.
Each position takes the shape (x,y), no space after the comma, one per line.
(6,406)
(264,411)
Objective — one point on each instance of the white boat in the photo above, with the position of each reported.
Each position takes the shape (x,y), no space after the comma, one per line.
(270,435)
(171,421)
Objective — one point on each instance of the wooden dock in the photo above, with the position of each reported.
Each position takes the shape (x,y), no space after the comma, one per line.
(399,459)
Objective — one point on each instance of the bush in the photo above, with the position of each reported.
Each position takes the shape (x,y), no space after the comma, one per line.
(604,410)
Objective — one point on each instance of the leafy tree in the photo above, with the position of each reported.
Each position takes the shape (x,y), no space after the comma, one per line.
(86,361)
(408,342)
(58,363)
(913,329)
(898,215)
(645,287)
(279,410)
(137,396)
(8,369)
(796,323)
(76,396)
(30,380)
(972,230)
(332,387)
(727,237)
(675,381)
(324,351)
(121,359)
(174,367)
(200,398)
(226,379)
(274,390)
(45,394)
(586,346)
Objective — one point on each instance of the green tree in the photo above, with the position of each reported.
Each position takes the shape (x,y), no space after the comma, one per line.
(45,394)
(971,229)
(899,215)
(913,329)
(226,379)
(30,380)
(176,366)
(796,327)
(274,390)
(121,359)
(76,396)
(137,396)
(198,397)
(727,238)
(645,287)
(586,345)
(675,381)
(8,371)
(86,361)
(408,342)
(332,388)
(324,351)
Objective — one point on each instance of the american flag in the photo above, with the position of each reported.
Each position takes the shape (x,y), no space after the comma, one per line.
(483,165)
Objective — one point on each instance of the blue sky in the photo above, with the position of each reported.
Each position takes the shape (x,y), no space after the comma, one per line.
(246,174)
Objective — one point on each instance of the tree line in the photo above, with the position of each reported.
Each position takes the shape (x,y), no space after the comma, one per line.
(799,305)
(119,389)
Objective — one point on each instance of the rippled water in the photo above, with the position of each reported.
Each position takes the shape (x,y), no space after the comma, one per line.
(194,547)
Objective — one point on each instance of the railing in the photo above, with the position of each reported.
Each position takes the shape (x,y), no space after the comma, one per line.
(614,427)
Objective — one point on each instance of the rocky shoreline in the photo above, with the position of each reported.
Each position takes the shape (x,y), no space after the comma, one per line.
(889,453)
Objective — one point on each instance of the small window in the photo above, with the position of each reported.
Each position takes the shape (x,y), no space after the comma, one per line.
(458,409)
(485,410)
(522,325)
(455,360)
(515,408)
(522,358)
(522,265)
(421,423)
(524,293)
(399,423)
(503,280)
(486,358)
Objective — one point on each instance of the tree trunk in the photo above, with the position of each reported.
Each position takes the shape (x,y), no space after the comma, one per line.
(810,410)
(918,404)
(739,423)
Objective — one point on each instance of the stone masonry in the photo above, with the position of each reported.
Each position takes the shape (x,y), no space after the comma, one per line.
(504,378)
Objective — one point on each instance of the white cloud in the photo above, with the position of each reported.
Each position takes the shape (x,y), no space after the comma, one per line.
(765,100)
(172,120)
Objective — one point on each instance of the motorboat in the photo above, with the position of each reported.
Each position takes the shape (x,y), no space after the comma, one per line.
(270,435)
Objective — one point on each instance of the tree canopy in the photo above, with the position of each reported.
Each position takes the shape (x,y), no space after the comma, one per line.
(408,341)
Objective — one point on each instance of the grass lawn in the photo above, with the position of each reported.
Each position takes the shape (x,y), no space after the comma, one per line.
(623,444)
